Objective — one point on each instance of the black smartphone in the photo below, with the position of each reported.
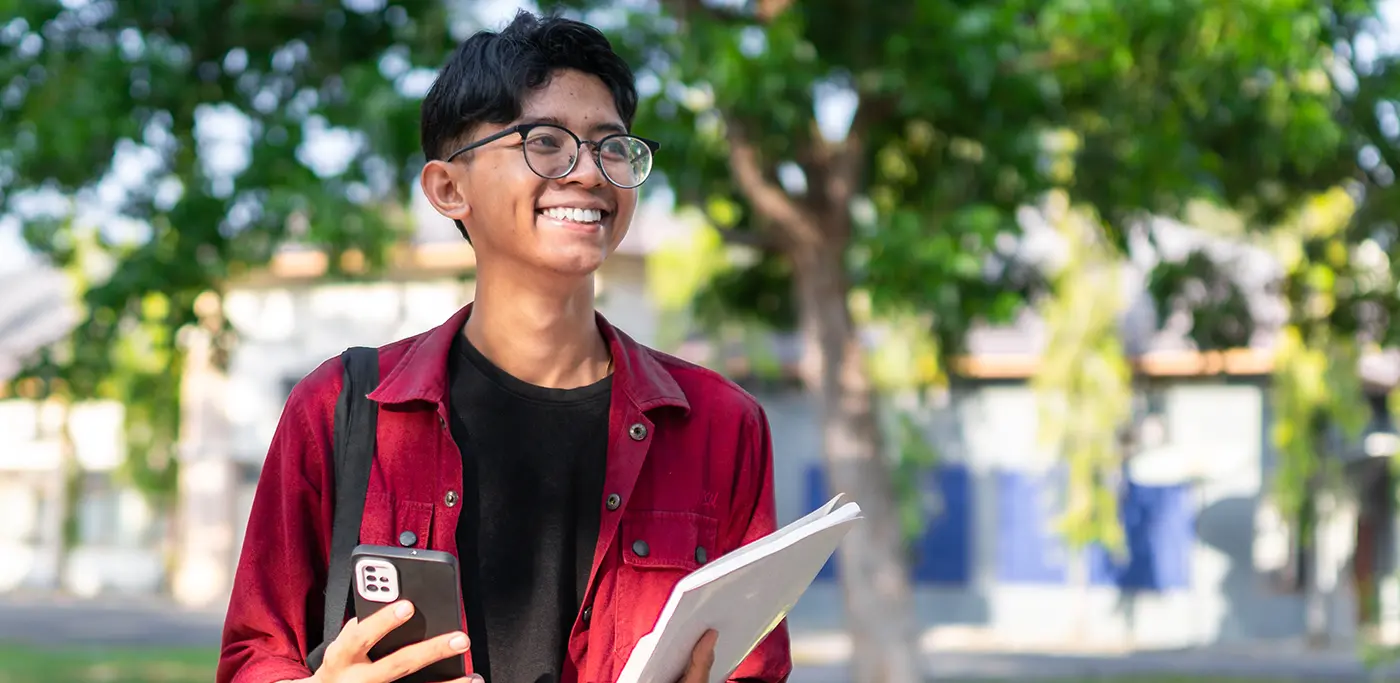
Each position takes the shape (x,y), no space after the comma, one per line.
(427,578)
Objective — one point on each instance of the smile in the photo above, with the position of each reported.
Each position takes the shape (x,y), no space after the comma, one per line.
(586,216)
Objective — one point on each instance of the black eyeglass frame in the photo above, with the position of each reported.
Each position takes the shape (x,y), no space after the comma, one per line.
(523,129)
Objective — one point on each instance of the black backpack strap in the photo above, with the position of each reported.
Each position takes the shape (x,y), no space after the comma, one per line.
(356,420)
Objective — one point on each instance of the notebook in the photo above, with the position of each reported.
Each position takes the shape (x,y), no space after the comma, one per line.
(743,596)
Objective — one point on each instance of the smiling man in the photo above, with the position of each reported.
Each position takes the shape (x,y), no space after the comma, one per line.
(576,474)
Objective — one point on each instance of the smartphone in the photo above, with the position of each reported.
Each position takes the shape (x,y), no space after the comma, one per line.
(427,578)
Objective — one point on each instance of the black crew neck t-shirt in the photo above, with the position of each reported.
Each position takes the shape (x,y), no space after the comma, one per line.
(533,464)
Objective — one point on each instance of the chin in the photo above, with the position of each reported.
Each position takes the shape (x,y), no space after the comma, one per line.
(574,262)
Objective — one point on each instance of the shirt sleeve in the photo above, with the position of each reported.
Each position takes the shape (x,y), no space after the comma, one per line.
(277,591)
(755,516)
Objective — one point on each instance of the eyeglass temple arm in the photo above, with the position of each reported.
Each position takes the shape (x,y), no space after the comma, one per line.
(484,141)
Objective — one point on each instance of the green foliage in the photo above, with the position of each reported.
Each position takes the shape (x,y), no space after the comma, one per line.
(964,113)
(120,108)
(1084,385)
(1317,394)
(961,115)
(917,458)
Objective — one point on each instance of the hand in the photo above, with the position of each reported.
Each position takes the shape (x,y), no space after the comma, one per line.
(702,658)
(347,657)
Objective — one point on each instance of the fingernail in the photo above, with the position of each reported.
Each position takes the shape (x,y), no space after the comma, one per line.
(478,679)
(403,610)
(458,642)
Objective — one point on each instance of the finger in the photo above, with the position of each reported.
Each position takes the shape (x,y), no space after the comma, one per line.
(474,678)
(702,659)
(415,657)
(338,652)
(374,627)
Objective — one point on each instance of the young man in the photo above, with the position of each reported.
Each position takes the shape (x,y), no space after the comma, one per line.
(576,474)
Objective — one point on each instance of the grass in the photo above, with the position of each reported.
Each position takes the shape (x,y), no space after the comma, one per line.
(22,664)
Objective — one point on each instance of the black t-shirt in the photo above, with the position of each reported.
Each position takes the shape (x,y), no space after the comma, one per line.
(533,464)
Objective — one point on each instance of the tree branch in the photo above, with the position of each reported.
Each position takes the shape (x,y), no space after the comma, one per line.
(848,161)
(767,11)
(793,225)
(684,9)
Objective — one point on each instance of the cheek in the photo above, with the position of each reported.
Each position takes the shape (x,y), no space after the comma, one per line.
(502,190)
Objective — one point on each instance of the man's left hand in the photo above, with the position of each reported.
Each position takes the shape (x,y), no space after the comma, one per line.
(702,658)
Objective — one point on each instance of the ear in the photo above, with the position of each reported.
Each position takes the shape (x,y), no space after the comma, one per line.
(444,185)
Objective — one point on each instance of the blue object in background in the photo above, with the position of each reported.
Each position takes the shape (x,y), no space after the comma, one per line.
(1028,547)
(943,554)
(816,496)
(1160,525)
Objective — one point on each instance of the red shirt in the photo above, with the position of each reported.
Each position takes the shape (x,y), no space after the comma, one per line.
(689,456)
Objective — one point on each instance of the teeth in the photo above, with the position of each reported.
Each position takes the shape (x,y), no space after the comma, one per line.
(575,215)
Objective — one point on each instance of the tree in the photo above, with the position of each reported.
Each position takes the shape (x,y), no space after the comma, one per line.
(961,114)
(184,135)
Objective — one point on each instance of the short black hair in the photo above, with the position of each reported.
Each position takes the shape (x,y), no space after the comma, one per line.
(489,76)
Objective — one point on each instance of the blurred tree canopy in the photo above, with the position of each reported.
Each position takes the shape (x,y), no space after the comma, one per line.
(158,148)
(958,118)
(161,148)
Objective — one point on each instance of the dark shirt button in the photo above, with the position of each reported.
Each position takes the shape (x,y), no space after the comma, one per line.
(450,498)
(408,539)
(637,431)
(641,548)
(614,501)
(588,614)
(700,555)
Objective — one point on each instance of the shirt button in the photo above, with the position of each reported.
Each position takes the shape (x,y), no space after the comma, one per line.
(700,555)
(442,422)
(588,614)
(641,548)
(450,498)
(408,539)
(614,501)
(637,431)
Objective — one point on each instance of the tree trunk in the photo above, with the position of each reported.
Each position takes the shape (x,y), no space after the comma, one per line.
(874,571)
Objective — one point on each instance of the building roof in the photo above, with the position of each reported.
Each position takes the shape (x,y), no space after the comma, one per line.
(36,310)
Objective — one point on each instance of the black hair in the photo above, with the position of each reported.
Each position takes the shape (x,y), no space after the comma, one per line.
(489,76)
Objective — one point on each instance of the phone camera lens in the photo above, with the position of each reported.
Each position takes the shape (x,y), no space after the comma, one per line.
(371,588)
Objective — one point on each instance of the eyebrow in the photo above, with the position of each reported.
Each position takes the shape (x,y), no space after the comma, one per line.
(606,127)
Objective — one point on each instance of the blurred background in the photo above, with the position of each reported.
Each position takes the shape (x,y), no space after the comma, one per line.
(1089,303)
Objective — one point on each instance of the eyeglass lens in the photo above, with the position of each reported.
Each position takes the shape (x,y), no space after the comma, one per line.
(551,151)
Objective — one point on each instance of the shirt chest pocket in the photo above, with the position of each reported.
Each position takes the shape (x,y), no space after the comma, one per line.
(398,523)
(659,548)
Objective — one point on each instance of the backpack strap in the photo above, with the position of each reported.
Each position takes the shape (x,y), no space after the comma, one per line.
(356,421)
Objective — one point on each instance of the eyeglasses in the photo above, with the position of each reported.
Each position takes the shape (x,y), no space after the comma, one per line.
(552,152)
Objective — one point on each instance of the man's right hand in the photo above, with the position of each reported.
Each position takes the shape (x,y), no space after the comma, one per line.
(347,657)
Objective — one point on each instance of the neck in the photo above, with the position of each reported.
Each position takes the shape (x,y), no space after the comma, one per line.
(545,337)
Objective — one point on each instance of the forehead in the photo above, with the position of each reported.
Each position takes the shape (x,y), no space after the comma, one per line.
(580,101)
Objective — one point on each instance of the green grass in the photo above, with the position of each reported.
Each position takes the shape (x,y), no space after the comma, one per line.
(22,664)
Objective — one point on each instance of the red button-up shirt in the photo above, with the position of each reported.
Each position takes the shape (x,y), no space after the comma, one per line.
(688,454)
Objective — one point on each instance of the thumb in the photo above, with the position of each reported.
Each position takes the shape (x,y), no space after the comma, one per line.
(702,659)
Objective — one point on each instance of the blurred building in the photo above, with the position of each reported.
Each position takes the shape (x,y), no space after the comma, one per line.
(116,535)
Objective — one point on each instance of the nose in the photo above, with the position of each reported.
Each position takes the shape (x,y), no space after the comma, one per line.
(586,170)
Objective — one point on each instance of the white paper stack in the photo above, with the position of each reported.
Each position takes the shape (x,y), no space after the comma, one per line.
(743,596)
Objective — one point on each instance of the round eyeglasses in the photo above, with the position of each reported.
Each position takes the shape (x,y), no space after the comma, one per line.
(552,152)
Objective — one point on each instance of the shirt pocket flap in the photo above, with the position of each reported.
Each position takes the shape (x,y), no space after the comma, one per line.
(668,540)
(398,523)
